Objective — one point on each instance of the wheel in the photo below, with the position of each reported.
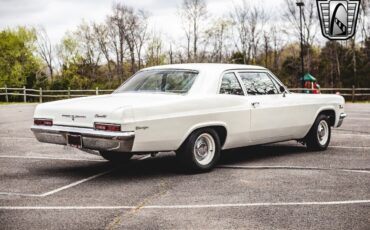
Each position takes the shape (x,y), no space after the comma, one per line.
(116,157)
(319,135)
(200,152)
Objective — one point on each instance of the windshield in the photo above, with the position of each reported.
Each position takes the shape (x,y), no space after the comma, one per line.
(165,81)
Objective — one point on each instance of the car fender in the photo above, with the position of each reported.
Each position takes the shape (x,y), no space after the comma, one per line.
(321,109)
(202,125)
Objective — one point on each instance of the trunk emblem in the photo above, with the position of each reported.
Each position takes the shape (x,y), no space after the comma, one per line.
(141,127)
(100,116)
(73,117)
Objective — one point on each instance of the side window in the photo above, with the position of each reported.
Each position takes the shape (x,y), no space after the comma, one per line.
(258,84)
(230,85)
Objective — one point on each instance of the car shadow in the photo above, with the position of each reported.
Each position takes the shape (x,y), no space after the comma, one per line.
(71,169)
(166,164)
(256,153)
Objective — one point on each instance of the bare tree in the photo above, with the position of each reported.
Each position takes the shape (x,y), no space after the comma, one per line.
(266,48)
(292,14)
(116,45)
(364,19)
(248,23)
(240,19)
(217,36)
(67,51)
(170,54)
(277,45)
(141,35)
(193,12)
(45,50)
(89,47)
(257,20)
(101,35)
(154,55)
(129,30)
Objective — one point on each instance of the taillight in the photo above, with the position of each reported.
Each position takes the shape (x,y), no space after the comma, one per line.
(108,127)
(46,122)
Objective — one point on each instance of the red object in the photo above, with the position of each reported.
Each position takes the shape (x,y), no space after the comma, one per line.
(108,127)
(315,89)
(46,122)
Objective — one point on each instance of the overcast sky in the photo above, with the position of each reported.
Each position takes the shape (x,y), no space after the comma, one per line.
(59,16)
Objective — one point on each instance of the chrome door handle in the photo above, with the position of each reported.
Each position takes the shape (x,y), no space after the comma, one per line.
(255,104)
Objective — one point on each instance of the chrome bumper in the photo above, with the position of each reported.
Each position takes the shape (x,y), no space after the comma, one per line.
(341,118)
(91,139)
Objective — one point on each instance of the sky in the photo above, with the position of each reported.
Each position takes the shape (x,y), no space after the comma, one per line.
(60,16)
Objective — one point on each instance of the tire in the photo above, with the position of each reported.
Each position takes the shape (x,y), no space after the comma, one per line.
(200,152)
(318,138)
(116,157)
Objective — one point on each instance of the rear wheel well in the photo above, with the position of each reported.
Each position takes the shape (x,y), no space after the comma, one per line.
(220,130)
(330,114)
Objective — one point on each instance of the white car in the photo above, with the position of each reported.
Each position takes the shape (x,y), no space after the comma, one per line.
(196,110)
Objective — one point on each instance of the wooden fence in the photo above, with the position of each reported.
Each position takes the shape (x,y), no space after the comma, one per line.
(353,94)
(40,95)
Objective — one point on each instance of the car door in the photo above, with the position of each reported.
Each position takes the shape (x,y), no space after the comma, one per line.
(237,113)
(272,114)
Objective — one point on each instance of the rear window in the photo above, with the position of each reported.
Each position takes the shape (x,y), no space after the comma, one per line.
(164,81)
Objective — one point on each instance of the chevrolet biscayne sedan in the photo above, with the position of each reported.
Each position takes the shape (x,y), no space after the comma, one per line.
(196,110)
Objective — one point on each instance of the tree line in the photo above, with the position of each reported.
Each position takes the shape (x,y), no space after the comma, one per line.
(106,54)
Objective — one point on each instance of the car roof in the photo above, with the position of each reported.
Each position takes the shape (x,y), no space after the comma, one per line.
(206,66)
(207,81)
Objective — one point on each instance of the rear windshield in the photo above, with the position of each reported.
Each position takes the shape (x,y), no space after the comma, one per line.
(162,81)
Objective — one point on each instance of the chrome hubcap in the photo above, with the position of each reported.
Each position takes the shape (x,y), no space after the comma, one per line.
(323,132)
(204,149)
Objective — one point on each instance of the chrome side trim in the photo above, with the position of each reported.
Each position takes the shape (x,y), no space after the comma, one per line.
(91,139)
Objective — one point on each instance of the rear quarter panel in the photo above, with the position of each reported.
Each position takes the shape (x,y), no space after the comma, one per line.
(164,127)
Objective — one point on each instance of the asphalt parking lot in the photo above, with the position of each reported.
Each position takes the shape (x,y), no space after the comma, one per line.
(277,186)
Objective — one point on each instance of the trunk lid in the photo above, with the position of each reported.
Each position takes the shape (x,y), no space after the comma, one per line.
(83,112)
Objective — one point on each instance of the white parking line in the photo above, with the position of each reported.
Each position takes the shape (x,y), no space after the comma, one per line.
(350,134)
(58,189)
(63,158)
(19,194)
(75,183)
(63,187)
(195,206)
(349,147)
(358,118)
(51,158)
(20,138)
(292,168)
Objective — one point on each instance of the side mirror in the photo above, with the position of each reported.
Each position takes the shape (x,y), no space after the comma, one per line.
(282,89)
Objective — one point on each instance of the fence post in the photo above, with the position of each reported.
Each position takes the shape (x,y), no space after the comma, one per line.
(40,95)
(24,94)
(69,92)
(97,90)
(353,93)
(6,94)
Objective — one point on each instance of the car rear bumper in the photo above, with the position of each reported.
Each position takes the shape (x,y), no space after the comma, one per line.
(341,118)
(91,139)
